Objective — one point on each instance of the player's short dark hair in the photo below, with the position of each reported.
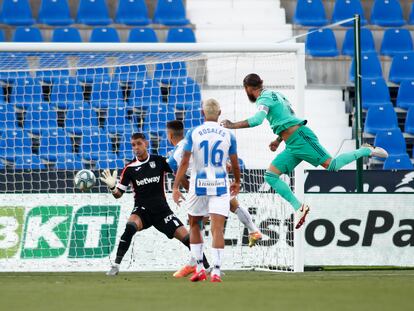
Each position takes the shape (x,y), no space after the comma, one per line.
(138,136)
(253,80)
(176,126)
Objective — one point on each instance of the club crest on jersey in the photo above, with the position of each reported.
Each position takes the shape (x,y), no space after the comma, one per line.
(152,164)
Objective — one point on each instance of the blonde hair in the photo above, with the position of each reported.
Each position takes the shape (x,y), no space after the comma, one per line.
(211,108)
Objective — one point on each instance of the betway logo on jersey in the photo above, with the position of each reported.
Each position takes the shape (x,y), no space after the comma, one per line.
(146,181)
(48,231)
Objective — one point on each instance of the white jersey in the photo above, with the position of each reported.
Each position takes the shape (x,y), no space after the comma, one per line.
(174,159)
(211,145)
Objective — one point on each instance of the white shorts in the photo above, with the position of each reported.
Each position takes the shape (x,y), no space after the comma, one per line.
(205,205)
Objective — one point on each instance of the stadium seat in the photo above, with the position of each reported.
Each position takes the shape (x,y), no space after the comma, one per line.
(402,67)
(387,13)
(142,35)
(409,121)
(79,117)
(132,13)
(27,34)
(310,13)
(170,13)
(28,161)
(54,13)
(405,97)
(68,161)
(1,35)
(144,93)
(411,17)
(67,34)
(117,121)
(370,66)
(17,13)
(367,42)
(26,92)
(182,35)
(104,34)
(396,41)
(51,62)
(158,115)
(8,62)
(169,71)
(96,70)
(65,93)
(380,117)
(95,144)
(112,162)
(14,142)
(93,12)
(125,148)
(130,73)
(398,162)
(54,142)
(193,117)
(374,92)
(40,117)
(392,141)
(184,94)
(321,43)
(7,116)
(106,94)
(345,9)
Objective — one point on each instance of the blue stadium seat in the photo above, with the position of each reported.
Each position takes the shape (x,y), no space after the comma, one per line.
(345,9)
(96,70)
(112,162)
(310,13)
(184,94)
(193,118)
(65,93)
(7,116)
(95,144)
(54,13)
(67,34)
(387,13)
(144,93)
(411,17)
(68,161)
(409,121)
(168,71)
(130,73)
(374,92)
(49,62)
(40,117)
(321,43)
(132,13)
(170,13)
(117,121)
(158,115)
(181,35)
(27,34)
(367,42)
(405,97)
(392,141)
(93,12)
(80,117)
(26,92)
(398,162)
(1,35)
(104,34)
(402,67)
(17,13)
(396,41)
(106,94)
(370,66)
(125,148)
(54,142)
(14,142)
(380,117)
(8,62)
(142,35)
(28,161)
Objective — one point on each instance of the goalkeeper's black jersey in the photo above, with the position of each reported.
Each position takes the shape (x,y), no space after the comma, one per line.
(147,180)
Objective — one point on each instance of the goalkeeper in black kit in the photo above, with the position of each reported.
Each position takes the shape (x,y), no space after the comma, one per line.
(146,175)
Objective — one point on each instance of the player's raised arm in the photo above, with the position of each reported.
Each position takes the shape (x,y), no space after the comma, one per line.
(110,180)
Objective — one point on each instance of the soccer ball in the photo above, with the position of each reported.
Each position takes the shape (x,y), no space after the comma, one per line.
(84,180)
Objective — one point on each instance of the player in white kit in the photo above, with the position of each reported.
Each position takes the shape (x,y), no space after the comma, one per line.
(210,145)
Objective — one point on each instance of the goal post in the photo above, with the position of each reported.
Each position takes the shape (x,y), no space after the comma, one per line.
(69,106)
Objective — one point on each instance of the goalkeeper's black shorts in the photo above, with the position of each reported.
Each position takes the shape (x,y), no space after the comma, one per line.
(163,220)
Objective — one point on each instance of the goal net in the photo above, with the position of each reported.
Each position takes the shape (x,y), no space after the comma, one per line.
(69,107)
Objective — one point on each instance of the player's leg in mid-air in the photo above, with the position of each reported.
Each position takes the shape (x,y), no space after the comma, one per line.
(246,219)
(304,145)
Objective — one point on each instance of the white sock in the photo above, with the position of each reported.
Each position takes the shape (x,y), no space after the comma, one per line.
(217,255)
(246,219)
(192,261)
(197,252)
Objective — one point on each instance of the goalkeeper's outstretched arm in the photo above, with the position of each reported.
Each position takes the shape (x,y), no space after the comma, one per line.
(110,180)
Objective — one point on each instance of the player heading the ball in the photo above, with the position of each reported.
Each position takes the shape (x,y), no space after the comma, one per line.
(210,145)
(301,142)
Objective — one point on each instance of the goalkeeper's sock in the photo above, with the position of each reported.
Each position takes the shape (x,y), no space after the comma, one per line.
(130,229)
(246,219)
(193,260)
(217,254)
(282,189)
(197,252)
(346,158)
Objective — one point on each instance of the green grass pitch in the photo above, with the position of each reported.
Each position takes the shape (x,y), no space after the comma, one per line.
(333,290)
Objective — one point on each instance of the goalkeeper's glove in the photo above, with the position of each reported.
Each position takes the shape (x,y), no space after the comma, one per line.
(108,179)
